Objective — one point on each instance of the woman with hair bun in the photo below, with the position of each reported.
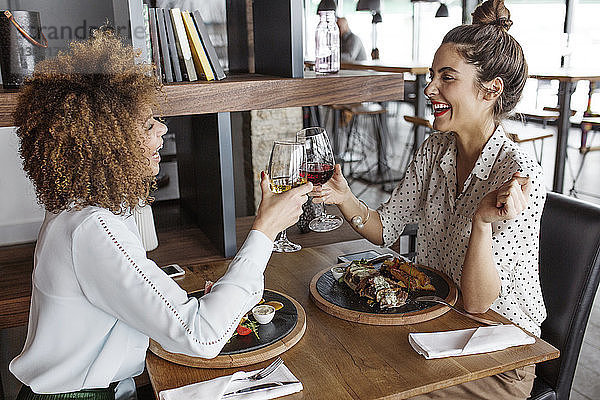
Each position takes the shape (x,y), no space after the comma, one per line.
(90,143)
(476,196)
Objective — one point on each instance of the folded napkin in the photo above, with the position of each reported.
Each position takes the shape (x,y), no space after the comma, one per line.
(468,341)
(216,388)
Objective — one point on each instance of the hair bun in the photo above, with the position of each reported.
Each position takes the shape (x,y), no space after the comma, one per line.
(492,12)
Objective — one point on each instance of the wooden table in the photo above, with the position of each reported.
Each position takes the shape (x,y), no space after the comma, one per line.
(567,78)
(338,359)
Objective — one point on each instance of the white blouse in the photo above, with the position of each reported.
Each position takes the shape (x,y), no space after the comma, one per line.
(427,196)
(96,299)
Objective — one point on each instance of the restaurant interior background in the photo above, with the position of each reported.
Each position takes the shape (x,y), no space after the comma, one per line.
(409,32)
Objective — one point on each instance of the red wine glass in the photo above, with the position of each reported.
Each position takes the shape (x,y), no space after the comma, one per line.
(318,169)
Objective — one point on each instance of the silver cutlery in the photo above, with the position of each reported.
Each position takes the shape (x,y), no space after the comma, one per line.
(263,373)
(379,258)
(263,386)
(436,299)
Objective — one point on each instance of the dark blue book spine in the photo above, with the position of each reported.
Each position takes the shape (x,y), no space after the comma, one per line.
(208,47)
(173,48)
(164,47)
(154,41)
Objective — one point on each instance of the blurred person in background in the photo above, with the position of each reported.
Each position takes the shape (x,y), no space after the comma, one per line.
(351,47)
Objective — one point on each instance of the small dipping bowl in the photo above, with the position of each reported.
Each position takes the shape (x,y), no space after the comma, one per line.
(338,271)
(263,313)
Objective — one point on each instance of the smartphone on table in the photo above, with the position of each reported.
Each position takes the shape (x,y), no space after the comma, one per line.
(362,255)
(173,270)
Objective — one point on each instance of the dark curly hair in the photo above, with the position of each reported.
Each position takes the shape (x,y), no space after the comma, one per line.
(79,119)
(488,46)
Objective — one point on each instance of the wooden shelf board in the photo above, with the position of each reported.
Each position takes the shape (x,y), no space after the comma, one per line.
(8,103)
(255,92)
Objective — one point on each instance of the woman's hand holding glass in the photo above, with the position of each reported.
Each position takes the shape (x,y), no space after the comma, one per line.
(285,174)
(318,169)
(277,212)
(335,191)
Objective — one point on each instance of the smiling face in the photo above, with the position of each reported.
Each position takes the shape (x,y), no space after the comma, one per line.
(151,132)
(458,104)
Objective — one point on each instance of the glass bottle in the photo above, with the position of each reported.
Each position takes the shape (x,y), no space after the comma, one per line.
(327,59)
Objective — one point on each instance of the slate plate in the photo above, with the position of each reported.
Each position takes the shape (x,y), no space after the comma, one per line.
(338,299)
(283,323)
(286,329)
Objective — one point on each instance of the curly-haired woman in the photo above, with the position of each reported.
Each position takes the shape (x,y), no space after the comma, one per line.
(476,196)
(90,144)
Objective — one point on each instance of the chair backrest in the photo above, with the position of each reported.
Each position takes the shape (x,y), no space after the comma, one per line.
(569,276)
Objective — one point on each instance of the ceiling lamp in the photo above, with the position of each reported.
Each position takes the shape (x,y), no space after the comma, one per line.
(327,5)
(373,6)
(442,11)
(368,5)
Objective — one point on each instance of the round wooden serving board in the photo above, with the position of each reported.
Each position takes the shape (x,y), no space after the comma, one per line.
(239,358)
(340,301)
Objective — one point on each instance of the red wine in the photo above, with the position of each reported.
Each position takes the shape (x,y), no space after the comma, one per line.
(317,173)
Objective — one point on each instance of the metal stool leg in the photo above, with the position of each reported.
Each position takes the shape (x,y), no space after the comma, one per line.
(584,151)
(335,132)
(573,191)
(348,156)
(315,117)
(537,158)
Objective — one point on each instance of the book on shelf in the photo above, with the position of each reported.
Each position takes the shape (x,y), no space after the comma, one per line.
(173,48)
(147,39)
(182,43)
(164,47)
(154,41)
(198,54)
(208,46)
(128,22)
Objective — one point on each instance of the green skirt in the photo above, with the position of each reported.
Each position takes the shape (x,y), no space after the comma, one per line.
(87,394)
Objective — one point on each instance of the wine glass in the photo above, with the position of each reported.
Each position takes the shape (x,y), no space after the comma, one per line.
(285,173)
(318,169)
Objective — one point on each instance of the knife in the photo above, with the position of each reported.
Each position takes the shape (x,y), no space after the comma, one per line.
(262,386)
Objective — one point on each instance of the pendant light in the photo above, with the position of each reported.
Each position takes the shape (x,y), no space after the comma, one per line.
(442,11)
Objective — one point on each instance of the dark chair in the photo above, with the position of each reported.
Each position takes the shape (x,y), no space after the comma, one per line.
(569,275)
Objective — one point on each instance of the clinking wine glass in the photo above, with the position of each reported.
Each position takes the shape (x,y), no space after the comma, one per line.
(285,173)
(318,169)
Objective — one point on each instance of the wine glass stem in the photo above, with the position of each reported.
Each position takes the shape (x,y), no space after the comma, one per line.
(320,210)
(283,235)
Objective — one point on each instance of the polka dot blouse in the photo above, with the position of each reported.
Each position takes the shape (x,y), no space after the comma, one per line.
(427,196)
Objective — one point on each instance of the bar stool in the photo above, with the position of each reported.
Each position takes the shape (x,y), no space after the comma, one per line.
(533,137)
(547,114)
(338,125)
(364,118)
(588,124)
(416,122)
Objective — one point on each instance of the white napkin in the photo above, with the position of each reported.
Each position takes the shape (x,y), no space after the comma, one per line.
(468,341)
(215,388)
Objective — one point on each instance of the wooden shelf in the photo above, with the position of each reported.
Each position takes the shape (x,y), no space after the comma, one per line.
(255,92)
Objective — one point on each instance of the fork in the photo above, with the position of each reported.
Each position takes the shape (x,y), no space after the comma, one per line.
(436,299)
(263,373)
